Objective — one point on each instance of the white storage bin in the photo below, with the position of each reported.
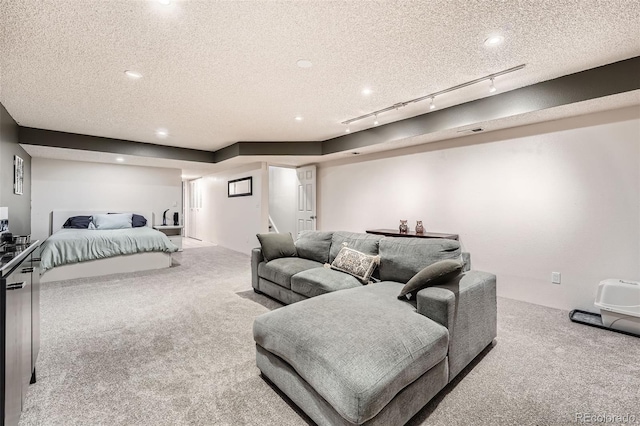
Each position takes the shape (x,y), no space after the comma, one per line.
(619,303)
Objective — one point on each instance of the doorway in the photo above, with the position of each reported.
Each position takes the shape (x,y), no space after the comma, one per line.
(292,199)
(193,223)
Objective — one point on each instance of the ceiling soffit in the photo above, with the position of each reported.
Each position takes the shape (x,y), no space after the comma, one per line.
(615,78)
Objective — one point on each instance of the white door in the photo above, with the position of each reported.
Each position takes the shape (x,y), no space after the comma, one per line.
(306,199)
(195,205)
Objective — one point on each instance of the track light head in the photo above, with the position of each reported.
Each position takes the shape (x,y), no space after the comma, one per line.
(431,96)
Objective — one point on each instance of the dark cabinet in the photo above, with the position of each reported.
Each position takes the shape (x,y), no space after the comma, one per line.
(12,337)
(35,314)
(20,330)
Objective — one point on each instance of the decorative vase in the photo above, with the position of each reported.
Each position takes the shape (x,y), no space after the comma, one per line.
(419,227)
(403,227)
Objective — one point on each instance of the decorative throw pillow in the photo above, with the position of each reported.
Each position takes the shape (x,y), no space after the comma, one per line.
(358,264)
(113,221)
(78,222)
(436,273)
(275,246)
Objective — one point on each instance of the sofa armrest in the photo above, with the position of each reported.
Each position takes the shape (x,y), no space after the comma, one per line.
(256,258)
(467,307)
(466,261)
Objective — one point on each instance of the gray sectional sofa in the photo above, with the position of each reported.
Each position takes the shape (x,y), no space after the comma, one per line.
(356,354)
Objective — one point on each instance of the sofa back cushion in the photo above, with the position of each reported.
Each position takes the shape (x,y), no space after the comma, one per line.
(314,245)
(365,243)
(402,258)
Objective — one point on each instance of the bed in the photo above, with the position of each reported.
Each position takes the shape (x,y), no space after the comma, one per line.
(78,253)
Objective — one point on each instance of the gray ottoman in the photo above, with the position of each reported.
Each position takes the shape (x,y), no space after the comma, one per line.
(356,356)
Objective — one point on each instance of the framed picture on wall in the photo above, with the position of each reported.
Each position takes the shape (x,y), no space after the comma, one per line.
(18,174)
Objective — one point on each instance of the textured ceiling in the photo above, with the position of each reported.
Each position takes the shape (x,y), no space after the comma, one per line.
(215,72)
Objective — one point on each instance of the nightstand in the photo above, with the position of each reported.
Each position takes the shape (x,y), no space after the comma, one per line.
(174,232)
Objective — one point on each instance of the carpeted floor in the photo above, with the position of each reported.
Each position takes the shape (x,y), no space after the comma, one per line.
(175,347)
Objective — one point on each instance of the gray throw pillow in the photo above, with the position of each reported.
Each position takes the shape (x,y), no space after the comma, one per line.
(275,246)
(436,273)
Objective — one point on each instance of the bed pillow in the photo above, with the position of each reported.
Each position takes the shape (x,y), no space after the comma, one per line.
(137,221)
(275,246)
(113,221)
(436,273)
(78,222)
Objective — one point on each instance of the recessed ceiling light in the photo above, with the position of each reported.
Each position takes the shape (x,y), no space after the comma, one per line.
(133,74)
(367,91)
(120,160)
(164,2)
(162,133)
(493,40)
(298,118)
(304,63)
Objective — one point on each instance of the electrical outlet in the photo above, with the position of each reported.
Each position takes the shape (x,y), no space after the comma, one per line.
(555,277)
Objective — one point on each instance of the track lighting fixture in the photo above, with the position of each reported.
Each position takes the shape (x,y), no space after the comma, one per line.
(431,96)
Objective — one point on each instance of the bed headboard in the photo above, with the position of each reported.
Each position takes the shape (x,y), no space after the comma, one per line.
(59,217)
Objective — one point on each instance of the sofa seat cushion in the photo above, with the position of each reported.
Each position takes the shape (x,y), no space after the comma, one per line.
(281,270)
(317,281)
(357,347)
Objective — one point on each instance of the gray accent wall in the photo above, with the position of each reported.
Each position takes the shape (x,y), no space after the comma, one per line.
(19,205)
(31,136)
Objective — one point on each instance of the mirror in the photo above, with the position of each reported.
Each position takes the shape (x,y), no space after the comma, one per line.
(240,187)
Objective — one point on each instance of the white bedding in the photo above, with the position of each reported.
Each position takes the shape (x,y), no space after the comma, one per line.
(78,245)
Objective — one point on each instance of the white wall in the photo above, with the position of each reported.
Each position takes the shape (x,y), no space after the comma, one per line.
(283,184)
(560,196)
(77,185)
(234,222)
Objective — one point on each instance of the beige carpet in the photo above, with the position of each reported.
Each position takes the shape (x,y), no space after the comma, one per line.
(175,347)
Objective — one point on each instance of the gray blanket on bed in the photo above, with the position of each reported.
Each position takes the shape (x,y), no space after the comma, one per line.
(79,245)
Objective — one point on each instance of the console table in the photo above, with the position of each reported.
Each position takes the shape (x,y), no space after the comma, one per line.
(396,233)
